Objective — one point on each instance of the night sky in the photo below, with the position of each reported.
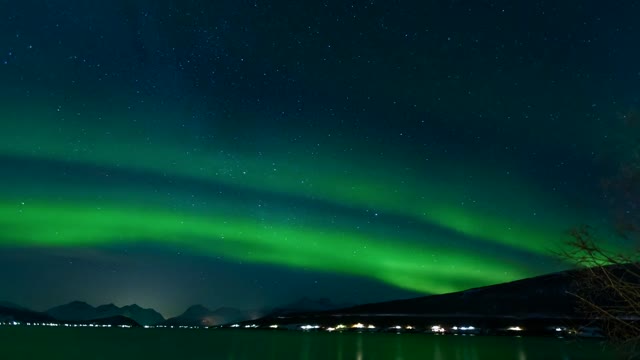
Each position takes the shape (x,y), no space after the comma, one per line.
(249,153)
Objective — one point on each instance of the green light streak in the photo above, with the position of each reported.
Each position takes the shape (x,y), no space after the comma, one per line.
(479,204)
(426,198)
(427,268)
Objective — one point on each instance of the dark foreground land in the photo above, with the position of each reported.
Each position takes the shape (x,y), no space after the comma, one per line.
(115,343)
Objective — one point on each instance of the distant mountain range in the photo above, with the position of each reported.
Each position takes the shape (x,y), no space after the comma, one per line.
(196,315)
(199,315)
(544,297)
(76,313)
(81,311)
(10,312)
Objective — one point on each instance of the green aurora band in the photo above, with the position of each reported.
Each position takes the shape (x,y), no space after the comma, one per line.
(430,263)
(411,267)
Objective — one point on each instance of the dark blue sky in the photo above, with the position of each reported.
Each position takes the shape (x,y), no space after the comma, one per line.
(250,153)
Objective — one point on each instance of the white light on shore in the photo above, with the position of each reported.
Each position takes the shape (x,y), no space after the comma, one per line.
(514,328)
(309,327)
(437,329)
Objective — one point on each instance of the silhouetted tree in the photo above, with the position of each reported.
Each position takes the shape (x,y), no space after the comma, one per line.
(608,287)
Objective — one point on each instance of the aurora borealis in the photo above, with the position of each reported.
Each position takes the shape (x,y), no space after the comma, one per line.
(248,153)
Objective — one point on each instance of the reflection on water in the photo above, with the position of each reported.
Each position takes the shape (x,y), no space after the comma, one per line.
(306,349)
(399,348)
(437,353)
(419,346)
(73,343)
(340,348)
(521,354)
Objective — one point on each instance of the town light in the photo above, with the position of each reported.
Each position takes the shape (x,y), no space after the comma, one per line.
(437,329)
(309,327)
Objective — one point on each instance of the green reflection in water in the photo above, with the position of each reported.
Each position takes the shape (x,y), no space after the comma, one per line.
(17,342)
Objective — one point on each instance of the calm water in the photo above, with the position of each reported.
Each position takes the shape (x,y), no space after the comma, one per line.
(36,343)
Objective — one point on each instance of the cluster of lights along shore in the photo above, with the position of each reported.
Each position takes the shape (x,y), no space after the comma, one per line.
(359,327)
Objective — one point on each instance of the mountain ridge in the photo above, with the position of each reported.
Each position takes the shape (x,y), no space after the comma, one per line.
(538,299)
(199,315)
(81,311)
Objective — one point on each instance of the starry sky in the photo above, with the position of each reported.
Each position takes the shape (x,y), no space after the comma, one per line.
(248,153)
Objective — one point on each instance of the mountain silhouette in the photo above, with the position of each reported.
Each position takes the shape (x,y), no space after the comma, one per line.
(81,311)
(537,301)
(198,315)
(22,315)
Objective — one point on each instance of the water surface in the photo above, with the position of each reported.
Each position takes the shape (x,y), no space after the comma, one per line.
(62,343)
